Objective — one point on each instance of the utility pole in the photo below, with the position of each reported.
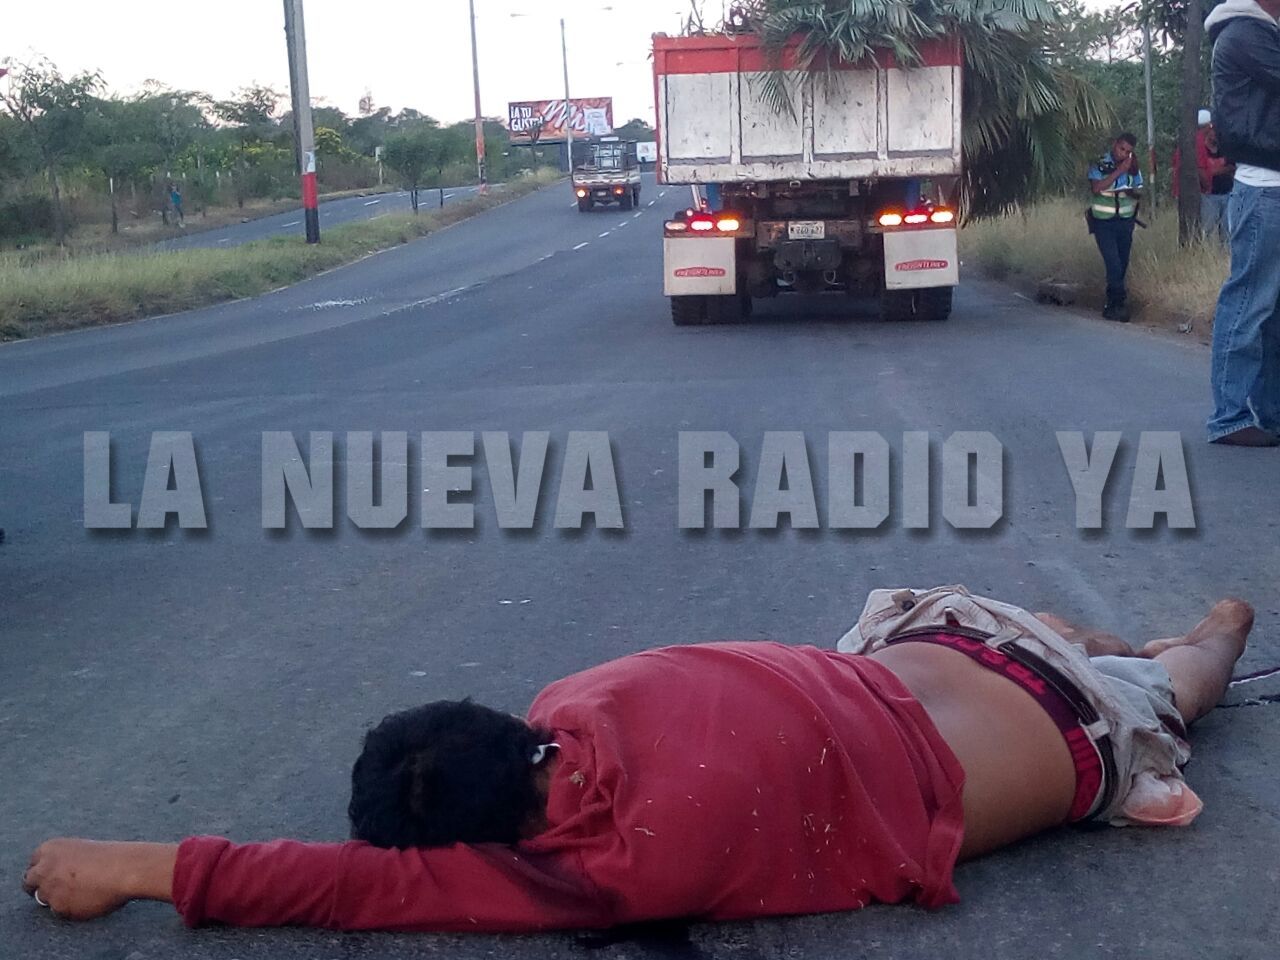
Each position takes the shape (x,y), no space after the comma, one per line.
(296,39)
(568,104)
(1151,110)
(482,172)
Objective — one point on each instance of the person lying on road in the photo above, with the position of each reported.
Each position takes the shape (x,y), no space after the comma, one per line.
(717,781)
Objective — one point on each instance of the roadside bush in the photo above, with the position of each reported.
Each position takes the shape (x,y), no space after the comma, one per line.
(346,173)
(26,216)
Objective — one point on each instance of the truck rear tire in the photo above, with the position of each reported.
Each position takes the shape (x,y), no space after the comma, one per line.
(934,303)
(731,308)
(627,200)
(688,311)
(636,196)
(585,204)
(930,303)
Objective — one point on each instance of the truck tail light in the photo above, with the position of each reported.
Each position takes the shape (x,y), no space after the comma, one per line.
(618,190)
(581,193)
(918,217)
(722,223)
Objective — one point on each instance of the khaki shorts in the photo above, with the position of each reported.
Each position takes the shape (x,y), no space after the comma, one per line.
(1137,725)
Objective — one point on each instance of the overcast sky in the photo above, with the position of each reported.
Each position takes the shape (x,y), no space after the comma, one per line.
(395,49)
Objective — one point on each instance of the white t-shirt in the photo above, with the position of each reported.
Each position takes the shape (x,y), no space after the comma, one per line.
(1257,176)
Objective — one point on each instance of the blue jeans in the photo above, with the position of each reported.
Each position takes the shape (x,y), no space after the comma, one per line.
(1115,240)
(1246,327)
(1213,216)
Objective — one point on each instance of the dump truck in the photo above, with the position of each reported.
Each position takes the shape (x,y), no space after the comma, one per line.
(847,184)
(606,170)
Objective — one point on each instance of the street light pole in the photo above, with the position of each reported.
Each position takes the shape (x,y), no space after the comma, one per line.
(296,39)
(482,172)
(568,104)
(1150,103)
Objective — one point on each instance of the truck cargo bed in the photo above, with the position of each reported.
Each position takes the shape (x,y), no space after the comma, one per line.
(877,119)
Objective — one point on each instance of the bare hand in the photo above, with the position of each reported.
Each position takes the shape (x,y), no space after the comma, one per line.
(79,879)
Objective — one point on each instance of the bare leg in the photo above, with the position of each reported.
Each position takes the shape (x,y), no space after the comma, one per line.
(1200,663)
(1097,643)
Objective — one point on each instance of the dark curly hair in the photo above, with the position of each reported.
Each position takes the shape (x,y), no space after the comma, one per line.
(444,773)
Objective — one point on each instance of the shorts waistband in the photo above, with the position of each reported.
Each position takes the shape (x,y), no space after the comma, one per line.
(1086,756)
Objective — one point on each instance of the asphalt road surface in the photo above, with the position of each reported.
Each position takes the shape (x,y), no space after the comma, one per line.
(332,213)
(159,684)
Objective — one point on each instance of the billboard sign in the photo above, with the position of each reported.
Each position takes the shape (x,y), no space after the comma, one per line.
(543,121)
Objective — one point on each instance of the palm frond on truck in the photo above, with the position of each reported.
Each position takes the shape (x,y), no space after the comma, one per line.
(1022,111)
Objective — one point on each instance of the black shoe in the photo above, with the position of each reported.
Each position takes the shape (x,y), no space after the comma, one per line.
(1117,312)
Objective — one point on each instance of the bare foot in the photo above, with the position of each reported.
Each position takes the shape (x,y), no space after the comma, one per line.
(1226,627)
(1097,643)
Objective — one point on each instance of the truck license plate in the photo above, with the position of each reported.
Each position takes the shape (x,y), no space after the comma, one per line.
(806,230)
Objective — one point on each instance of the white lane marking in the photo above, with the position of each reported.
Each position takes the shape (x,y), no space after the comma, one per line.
(652,202)
(622,224)
(582,244)
(605,234)
(448,196)
(634,215)
(293,223)
(326,304)
(225,240)
(428,301)
(372,202)
(1020,296)
(574,204)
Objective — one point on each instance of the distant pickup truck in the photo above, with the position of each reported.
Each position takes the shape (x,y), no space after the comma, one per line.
(609,172)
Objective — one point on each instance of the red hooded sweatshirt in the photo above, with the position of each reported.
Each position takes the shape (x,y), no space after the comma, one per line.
(721,781)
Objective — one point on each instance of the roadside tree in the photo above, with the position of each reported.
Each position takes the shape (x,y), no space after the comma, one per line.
(55,114)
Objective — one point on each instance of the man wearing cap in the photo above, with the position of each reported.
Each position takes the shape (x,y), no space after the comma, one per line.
(1116,183)
(1246,326)
(1216,175)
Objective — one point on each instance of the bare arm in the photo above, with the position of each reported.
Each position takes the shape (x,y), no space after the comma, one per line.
(1109,181)
(84,879)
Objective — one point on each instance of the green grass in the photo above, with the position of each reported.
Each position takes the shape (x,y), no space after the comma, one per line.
(1169,285)
(63,293)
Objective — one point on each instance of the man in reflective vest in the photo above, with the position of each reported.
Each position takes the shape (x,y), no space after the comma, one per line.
(1115,181)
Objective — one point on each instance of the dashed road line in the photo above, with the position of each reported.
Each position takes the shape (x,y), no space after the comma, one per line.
(372,202)
(652,202)
(636,214)
(225,240)
(293,223)
(582,244)
(605,234)
(622,224)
